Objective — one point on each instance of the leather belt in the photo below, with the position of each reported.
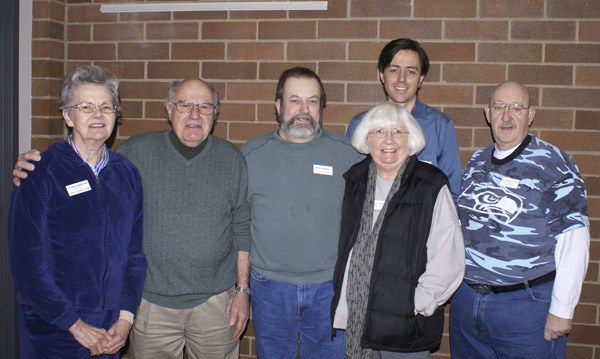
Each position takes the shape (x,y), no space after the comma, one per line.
(487,288)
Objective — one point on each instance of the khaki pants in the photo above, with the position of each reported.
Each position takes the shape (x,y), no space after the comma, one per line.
(204,331)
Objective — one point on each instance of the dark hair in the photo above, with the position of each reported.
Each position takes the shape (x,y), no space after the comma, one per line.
(391,49)
(85,75)
(174,85)
(301,72)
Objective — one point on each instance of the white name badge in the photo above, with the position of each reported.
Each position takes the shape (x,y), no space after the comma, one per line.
(378,204)
(77,188)
(323,170)
(509,182)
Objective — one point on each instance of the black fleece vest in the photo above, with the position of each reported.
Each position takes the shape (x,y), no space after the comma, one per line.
(400,259)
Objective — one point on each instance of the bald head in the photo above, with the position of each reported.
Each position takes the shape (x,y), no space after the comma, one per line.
(514,88)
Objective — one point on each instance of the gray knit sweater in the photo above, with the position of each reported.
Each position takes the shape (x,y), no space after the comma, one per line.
(196,217)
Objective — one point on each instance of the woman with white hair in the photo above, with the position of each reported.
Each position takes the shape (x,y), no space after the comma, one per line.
(401,252)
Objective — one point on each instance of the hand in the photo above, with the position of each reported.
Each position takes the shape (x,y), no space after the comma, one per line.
(556,327)
(240,309)
(89,336)
(118,336)
(22,164)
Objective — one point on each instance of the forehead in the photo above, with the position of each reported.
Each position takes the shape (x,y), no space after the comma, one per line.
(510,93)
(193,90)
(91,91)
(406,58)
(301,87)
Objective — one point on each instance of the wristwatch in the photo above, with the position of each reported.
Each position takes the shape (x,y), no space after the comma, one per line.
(243,290)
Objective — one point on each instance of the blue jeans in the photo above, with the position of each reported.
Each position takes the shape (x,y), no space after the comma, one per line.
(504,325)
(284,314)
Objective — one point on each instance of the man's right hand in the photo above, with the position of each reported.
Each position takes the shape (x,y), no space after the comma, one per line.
(22,166)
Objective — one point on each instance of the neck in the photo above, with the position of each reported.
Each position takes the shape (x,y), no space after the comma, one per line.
(91,152)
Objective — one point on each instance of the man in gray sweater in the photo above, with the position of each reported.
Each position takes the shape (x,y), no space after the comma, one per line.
(196,232)
(295,191)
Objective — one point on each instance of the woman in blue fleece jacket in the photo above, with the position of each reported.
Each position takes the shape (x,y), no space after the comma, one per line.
(75,232)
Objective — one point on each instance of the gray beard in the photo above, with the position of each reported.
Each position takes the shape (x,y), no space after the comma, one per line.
(300,131)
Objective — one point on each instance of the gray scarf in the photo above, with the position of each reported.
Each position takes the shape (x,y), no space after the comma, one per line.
(361,264)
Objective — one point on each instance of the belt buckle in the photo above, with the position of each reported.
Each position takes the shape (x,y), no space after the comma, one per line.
(483,288)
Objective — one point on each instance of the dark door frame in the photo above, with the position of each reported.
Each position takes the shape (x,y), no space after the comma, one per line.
(9,80)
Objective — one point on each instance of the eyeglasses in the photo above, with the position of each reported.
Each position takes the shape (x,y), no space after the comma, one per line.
(380,133)
(186,107)
(86,107)
(514,108)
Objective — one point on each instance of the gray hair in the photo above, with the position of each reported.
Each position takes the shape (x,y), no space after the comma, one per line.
(88,75)
(388,114)
(174,85)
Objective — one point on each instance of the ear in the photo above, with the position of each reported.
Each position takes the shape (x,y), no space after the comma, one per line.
(530,115)
(169,108)
(68,120)
(278,106)
(486,110)
(421,81)
(381,78)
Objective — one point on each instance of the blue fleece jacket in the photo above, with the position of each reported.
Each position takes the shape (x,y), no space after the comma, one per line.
(74,239)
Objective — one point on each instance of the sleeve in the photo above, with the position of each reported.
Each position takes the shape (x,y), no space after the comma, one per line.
(135,270)
(353,124)
(449,158)
(30,258)
(571,257)
(445,257)
(241,212)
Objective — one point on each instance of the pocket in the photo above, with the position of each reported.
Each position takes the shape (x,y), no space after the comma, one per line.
(541,293)
(254,275)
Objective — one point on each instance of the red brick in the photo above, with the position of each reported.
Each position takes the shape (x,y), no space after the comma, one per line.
(571,97)
(476,30)
(156,109)
(251,91)
(200,15)
(574,141)
(482,137)
(342,113)
(316,50)
(588,165)
(118,32)
(592,185)
(512,8)
(347,71)
(450,51)
(132,109)
(197,51)
(136,17)
(48,49)
(248,15)
(48,126)
(44,86)
(541,74)
(46,68)
(292,30)
(133,127)
(272,70)
(255,51)
(416,29)
(466,116)
(173,70)
(587,120)
(553,119)
(587,75)
(48,10)
(144,90)
(335,92)
(464,138)
(124,69)
(473,73)
(81,32)
(266,111)
(579,352)
(88,51)
(458,95)
(584,334)
(168,31)
(589,31)
(449,9)
(365,94)
(572,53)
(143,51)
(384,8)
(237,112)
(366,51)
(88,13)
(573,9)
(543,30)
(229,30)
(585,314)
(245,131)
(49,29)
(347,29)
(512,52)
(592,272)
(42,143)
(229,70)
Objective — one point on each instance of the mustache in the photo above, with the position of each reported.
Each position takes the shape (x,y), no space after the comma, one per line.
(303,117)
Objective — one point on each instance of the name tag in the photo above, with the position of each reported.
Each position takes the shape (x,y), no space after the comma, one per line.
(509,182)
(323,170)
(77,188)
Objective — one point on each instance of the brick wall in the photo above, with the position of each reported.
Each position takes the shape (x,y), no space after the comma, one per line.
(553,46)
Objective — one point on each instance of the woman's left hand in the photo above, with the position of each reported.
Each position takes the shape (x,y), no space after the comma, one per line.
(118,336)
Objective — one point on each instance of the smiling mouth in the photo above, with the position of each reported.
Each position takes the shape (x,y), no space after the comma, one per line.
(388,150)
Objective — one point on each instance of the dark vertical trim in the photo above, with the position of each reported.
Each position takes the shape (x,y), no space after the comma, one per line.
(9,40)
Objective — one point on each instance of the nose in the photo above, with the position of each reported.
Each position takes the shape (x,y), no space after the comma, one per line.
(195,113)
(505,113)
(304,107)
(97,112)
